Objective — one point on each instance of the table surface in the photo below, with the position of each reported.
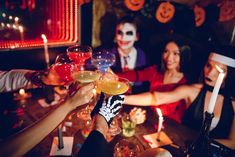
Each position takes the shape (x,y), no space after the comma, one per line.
(16,115)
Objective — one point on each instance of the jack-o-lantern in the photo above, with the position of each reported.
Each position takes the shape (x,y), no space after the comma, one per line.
(165,12)
(227,10)
(200,15)
(134,5)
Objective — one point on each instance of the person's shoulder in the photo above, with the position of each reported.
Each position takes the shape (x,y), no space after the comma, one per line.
(196,86)
(139,50)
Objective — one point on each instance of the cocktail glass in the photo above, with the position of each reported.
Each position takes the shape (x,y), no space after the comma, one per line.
(102,60)
(126,148)
(113,86)
(79,54)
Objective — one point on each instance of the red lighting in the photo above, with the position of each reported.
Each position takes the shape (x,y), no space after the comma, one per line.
(61,24)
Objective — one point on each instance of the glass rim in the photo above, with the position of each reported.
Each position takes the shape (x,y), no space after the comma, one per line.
(86,47)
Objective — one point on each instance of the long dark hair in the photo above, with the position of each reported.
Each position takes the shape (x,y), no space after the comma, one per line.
(185,56)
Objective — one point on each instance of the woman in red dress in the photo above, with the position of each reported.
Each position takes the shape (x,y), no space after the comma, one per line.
(168,76)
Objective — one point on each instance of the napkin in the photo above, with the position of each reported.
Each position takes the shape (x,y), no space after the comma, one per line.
(151,139)
(66,151)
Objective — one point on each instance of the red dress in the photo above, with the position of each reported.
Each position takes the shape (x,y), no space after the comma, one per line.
(174,110)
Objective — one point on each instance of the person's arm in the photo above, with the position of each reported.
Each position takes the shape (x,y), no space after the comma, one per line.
(96,144)
(230,142)
(22,78)
(15,79)
(103,114)
(21,143)
(158,98)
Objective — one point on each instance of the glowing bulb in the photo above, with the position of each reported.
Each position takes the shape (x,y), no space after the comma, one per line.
(3,14)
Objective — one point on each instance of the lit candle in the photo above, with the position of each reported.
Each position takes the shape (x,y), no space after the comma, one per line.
(22,92)
(160,121)
(215,92)
(46,54)
(21,29)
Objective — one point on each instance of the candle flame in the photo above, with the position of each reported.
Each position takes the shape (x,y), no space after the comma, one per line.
(21,29)
(159,112)
(16,19)
(219,69)
(44,38)
(22,92)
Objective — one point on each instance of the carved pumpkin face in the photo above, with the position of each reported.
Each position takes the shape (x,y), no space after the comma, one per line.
(165,12)
(227,11)
(200,15)
(134,5)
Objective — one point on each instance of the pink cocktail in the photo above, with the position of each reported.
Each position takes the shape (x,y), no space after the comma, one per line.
(79,54)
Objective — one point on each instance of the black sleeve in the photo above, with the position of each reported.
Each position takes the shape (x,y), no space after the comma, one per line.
(94,146)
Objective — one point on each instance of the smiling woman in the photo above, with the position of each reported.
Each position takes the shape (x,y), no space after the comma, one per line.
(170,74)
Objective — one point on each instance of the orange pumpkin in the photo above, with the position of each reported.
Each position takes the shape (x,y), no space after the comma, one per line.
(227,10)
(134,5)
(165,12)
(200,15)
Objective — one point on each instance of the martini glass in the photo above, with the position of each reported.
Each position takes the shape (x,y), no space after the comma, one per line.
(79,54)
(102,60)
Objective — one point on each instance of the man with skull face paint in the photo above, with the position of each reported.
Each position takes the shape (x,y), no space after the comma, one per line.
(128,56)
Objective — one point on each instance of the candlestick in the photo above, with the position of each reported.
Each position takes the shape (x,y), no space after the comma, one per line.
(215,92)
(60,138)
(46,54)
(160,121)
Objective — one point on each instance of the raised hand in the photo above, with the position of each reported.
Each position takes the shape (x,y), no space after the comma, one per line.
(108,108)
(83,96)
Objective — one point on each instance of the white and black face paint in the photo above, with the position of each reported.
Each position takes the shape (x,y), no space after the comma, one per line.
(126,35)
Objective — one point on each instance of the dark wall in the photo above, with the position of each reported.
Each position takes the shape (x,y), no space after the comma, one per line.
(27,59)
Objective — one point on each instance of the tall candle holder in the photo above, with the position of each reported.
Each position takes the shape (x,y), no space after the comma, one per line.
(200,147)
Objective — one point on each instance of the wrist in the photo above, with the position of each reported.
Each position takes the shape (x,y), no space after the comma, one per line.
(37,78)
(100,124)
(67,106)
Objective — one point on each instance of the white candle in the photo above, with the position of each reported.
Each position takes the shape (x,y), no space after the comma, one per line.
(160,119)
(46,54)
(215,92)
(21,29)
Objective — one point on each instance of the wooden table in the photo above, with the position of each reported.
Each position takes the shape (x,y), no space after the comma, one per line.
(33,111)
